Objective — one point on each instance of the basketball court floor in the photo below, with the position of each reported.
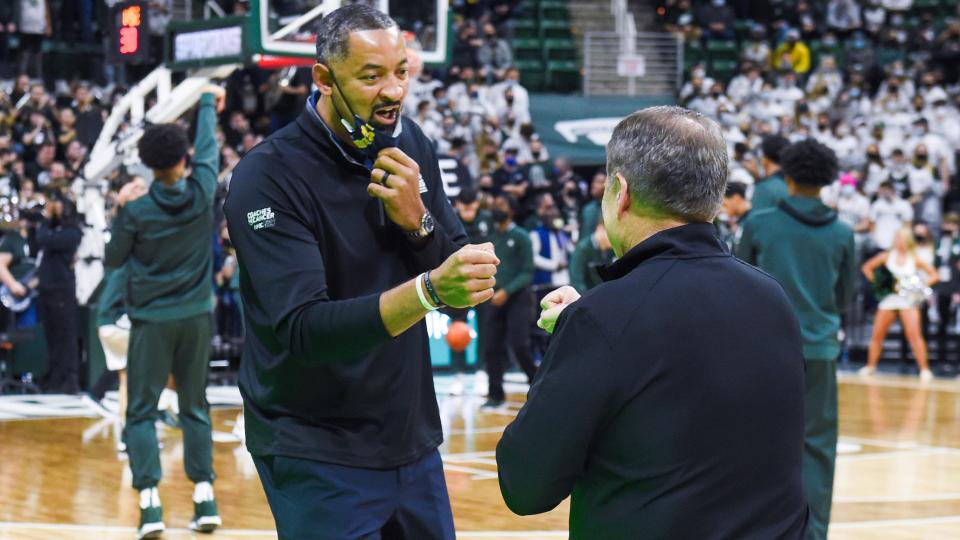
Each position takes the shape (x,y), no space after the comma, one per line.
(898,474)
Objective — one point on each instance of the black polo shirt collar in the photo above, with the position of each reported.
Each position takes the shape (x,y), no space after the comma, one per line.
(686,241)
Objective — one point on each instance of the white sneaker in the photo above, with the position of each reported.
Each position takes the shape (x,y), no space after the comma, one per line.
(866,371)
(481,383)
(456,386)
(926,375)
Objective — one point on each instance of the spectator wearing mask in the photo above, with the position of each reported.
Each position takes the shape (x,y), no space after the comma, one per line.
(846,145)
(826,74)
(713,104)
(929,89)
(159,14)
(806,20)
(851,206)
(39,102)
(66,131)
(874,17)
(682,19)
(480,228)
(45,156)
(537,170)
(948,269)
(508,316)
(888,214)
(90,116)
(792,54)
(811,253)
(873,171)
(898,173)
(509,178)
(588,257)
(58,237)
(926,193)
(494,56)
(941,157)
(772,188)
(36,133)
(756,49)
(521,97)
(843,17)
(886,140)
(551,248)
(746,85)
(892,98)
(717,20)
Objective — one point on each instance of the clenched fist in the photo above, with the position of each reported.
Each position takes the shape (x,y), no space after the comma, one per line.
(466,278)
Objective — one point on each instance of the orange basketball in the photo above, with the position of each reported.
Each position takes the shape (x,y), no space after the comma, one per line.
(458,336)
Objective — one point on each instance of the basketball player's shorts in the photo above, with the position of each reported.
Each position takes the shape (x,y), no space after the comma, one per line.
(115,339)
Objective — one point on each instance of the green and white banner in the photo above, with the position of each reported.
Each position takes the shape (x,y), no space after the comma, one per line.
(579,127)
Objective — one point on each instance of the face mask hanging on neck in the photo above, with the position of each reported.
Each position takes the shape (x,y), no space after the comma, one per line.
(365,137)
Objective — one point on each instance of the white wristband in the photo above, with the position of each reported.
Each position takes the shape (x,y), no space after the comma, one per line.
(423,296)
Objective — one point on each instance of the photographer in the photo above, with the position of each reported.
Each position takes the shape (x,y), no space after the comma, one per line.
(58,237)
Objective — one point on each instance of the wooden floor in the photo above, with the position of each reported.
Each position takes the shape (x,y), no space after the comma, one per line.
(898,474)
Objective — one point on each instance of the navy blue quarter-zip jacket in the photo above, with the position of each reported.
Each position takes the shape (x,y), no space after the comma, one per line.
(321,378)
(669,404)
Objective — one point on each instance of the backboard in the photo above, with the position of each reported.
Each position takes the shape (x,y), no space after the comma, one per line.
(286,28)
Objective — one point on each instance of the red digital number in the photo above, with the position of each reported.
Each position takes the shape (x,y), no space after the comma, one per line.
(129,40)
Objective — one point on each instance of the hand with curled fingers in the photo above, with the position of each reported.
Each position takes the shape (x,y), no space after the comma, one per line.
(553,305)
(466,278)
(395,180)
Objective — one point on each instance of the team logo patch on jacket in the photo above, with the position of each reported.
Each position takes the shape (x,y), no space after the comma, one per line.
(261,219)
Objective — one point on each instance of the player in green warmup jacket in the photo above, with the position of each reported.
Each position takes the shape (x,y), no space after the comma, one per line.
(164,239)
(811,253)
(771,189)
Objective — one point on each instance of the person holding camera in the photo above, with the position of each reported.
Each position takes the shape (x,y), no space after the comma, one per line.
(58,237)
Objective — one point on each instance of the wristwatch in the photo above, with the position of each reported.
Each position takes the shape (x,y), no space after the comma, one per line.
(426,227)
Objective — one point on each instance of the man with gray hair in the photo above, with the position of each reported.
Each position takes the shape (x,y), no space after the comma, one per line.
(660,414)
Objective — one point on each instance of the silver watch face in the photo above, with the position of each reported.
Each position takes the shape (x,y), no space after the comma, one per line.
(426,223)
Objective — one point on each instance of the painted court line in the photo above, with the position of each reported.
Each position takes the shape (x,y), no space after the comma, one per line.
(896,522)
(896,381)
(898,498)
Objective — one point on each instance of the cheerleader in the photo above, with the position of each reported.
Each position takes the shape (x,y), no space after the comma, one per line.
(905,296)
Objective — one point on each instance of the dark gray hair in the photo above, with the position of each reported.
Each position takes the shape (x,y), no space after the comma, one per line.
(674,161)
(333,32)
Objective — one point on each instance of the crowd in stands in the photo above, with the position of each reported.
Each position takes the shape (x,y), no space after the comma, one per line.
(877,81)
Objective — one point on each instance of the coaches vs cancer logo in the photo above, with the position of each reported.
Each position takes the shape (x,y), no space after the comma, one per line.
(261,219)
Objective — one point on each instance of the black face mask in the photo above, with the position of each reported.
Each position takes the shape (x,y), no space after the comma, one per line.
(365,136)
(500,216)
(873,157)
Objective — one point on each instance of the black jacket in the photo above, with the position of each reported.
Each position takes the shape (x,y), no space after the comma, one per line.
(59,246)
(321,378)
(670,403)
